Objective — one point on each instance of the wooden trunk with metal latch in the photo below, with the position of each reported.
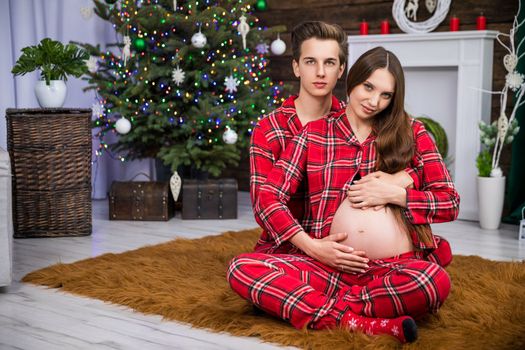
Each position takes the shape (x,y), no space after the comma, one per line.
(145,201)
(209,199)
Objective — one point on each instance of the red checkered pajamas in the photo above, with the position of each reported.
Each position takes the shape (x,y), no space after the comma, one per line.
(395,286)
(269,139)
(305,292)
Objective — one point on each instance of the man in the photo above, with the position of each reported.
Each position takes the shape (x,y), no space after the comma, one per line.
(319,53)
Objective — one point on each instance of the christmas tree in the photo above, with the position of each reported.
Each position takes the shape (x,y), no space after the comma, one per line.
(185,83)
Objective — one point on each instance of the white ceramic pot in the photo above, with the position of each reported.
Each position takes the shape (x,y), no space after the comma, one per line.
(491,192)
(52,95)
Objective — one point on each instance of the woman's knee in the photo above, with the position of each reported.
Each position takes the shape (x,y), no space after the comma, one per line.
(427,287)
(434,283)
(441,288)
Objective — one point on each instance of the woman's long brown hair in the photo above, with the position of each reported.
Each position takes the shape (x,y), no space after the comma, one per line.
(395,143)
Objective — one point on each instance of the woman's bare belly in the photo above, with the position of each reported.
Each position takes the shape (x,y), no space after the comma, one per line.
(376,232)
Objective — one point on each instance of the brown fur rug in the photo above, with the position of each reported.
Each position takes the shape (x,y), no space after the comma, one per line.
(184,280)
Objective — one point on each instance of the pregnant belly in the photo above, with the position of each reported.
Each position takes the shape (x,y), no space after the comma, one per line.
(376,232)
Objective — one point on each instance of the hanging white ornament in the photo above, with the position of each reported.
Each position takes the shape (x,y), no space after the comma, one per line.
(175,185)
(178,75)
(510,61)
(92,64)
(278,46)
(86,12)
(262,48)
(123,126)
(231,84)
(503,126)
(514,80)
(174,5)
(126,51)
(230,137)
(97,110)
(430,5)
(243,29)
(198,40)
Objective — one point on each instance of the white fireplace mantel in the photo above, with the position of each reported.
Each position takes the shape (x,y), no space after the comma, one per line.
(445,73)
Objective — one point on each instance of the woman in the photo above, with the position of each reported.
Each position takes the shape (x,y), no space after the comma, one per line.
(354,274)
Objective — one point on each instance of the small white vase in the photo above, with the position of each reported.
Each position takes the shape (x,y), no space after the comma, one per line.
(491,192)
(52,95)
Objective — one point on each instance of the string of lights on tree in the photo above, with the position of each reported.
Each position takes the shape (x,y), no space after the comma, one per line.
(185,82)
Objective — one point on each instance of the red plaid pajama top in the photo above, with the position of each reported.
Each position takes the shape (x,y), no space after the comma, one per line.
(328,155)
(270,137)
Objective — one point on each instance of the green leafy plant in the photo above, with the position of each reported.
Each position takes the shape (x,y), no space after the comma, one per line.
(488,134)
(484,163)
(438,134)
(54,60)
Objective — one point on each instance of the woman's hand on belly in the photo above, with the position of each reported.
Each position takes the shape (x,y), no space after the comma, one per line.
(341,257)
(401,178)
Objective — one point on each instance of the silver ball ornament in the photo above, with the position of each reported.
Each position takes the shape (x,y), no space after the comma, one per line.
(198,40)
(230,137)
(278,46)
(123,126)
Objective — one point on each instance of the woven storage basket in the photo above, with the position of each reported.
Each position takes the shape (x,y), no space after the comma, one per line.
(50,152)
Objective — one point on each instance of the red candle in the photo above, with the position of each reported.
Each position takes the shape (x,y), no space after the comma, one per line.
(481,22)
(454,24)
(385,27)
(363,28)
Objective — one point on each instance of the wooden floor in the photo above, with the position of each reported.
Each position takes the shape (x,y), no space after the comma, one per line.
(37,318)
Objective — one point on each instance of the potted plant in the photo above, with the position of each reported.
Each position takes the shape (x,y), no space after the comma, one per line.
(55,62)
(491,182)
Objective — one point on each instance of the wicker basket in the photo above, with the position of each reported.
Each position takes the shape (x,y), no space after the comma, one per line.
(50,152)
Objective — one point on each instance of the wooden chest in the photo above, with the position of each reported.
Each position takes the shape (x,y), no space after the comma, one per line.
(146,201)
(209,199)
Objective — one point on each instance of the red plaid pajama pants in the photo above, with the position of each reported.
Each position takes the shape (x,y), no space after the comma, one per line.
(305,292)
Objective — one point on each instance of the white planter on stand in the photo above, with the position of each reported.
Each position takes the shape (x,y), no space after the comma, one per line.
(491,192)
(52,95)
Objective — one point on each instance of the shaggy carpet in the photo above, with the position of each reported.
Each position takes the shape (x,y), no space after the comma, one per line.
(184,280)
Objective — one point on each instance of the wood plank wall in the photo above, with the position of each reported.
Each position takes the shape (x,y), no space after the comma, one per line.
(348,14)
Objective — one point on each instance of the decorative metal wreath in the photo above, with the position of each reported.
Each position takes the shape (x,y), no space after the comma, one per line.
(401,14)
